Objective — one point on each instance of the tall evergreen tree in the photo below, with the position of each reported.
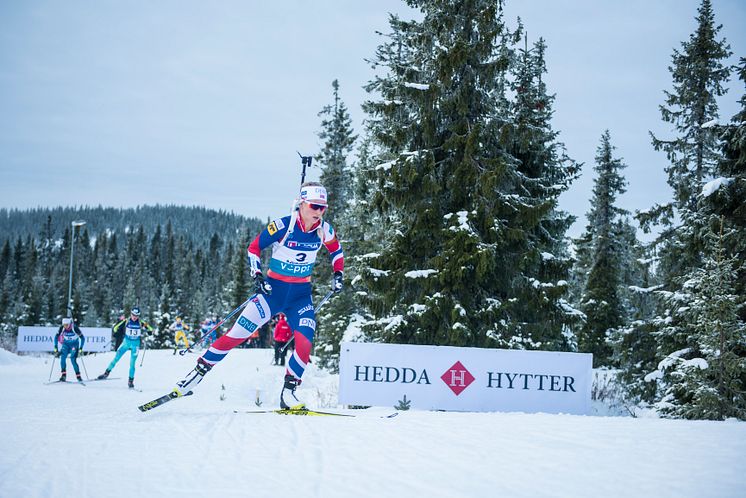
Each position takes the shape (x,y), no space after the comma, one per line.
(601,299)
(634,343)
(361,231)
(336,175)
(337,141)
(461,217)
(698,76)
(707,380)
(716,295)
(547,171)
(726,196)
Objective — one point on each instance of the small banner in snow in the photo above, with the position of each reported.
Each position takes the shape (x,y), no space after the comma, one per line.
(41,339)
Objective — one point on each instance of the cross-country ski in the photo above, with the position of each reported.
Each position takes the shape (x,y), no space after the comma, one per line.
(311,413)
(79,382)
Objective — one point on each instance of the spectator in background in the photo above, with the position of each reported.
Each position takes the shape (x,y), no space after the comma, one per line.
(282,335)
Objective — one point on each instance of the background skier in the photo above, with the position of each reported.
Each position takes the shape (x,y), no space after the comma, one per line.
(179,329)
(71,338)
(133,336)
(207,325)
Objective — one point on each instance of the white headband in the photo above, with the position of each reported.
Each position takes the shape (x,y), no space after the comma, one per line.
(313,193)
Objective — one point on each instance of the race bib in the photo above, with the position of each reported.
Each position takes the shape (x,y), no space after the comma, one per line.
(132,332)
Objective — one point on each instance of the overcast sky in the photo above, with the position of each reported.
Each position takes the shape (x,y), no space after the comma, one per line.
(206,103)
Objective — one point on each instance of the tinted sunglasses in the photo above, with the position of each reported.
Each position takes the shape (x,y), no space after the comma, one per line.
(317,207)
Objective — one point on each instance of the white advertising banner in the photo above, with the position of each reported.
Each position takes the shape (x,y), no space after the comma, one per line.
(465,379)
(97,339)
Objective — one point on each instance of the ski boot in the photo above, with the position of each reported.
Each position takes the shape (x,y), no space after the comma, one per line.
(184,387)
(104,375)
(77,376)
(131,383)
(288,400)
(63,377)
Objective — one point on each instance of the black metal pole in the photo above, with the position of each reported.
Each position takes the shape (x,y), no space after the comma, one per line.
(305,162)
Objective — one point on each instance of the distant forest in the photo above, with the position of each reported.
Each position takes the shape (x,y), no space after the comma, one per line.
(168,260)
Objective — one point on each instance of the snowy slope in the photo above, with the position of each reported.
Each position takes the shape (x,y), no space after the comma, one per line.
(66,440)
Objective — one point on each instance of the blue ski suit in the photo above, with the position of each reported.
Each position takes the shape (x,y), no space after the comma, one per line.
(133,330)
(71,339)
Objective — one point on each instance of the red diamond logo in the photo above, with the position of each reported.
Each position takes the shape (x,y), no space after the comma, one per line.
(457,378)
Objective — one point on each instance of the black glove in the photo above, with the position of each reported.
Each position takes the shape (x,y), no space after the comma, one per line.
(261,286)
(80,352)
(56,353)
(337,284)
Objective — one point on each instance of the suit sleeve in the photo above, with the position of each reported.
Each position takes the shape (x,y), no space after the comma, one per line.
(57,338)
(334,247)
(80,334)
(274,232)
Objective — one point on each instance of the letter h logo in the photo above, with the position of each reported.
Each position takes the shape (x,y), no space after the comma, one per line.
(457,378)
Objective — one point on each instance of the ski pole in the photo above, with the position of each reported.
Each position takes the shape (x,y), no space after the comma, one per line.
(84,368)
(324,300)
(182,352)
(144,348)
(52,369)
(322,303)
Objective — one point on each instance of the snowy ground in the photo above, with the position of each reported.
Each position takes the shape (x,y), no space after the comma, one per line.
(66,440)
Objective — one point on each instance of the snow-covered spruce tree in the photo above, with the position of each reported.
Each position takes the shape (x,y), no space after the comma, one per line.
(725,197)
(716,304)
(336,175)
(362,231)
(707,380)
(338,139)
(546,171)
(162,318)
(372,218)
(601,299)
(634,344)
(698,76)
(458,212)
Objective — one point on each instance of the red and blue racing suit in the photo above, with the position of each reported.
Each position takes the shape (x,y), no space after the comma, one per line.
(293,258)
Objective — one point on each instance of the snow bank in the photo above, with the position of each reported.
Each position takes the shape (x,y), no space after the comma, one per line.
(8,358)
